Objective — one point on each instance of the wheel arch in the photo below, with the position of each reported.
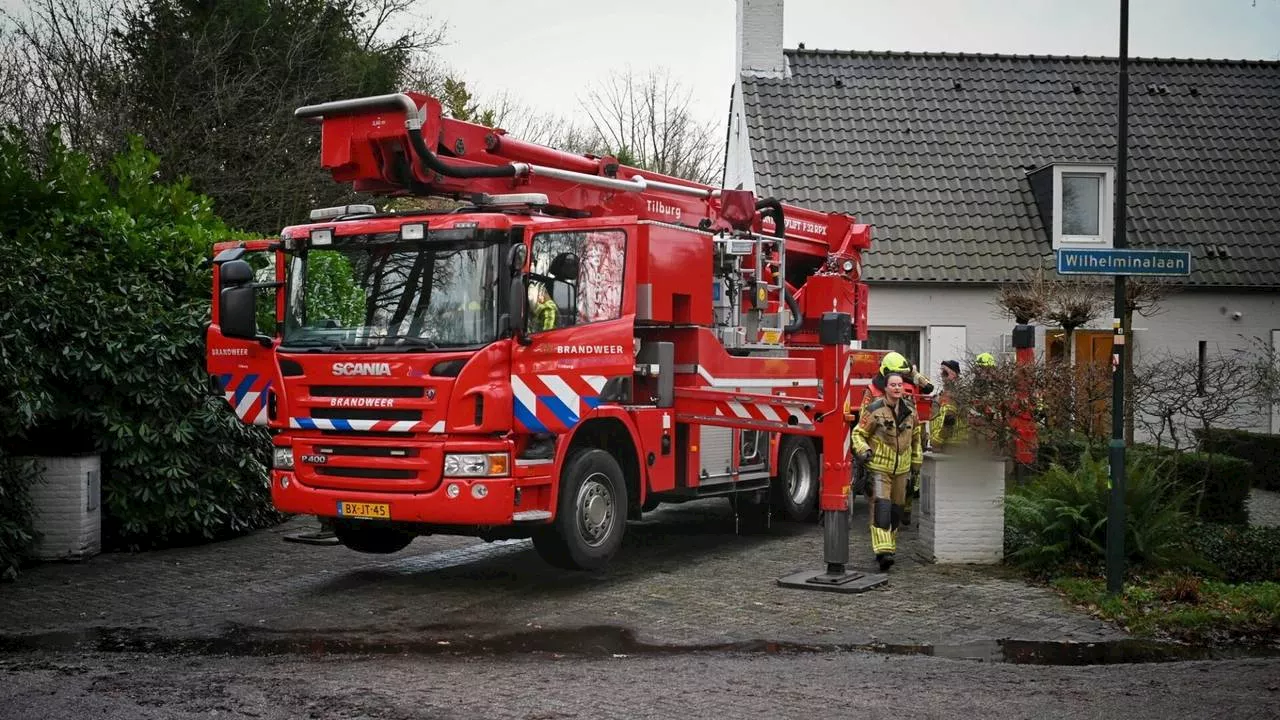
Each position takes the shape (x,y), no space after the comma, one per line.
(615,434)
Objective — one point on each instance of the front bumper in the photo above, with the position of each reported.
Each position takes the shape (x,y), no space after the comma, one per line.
(503,498)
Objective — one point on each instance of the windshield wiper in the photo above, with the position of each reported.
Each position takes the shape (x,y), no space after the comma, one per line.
(412,340)
(314,343)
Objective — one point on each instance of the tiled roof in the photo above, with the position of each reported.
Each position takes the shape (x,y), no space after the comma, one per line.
(934,149)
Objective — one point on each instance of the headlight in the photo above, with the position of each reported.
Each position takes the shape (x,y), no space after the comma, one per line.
(476,464)
(282,458)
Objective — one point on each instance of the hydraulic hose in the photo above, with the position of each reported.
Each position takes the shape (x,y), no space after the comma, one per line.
(775,211)
(796,318)
(413,123)
(431,162)
(773,208)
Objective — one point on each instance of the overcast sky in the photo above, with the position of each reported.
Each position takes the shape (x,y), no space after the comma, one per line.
(546,51)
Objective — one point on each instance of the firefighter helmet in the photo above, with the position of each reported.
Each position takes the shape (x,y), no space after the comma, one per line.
(894,363)
(985,360)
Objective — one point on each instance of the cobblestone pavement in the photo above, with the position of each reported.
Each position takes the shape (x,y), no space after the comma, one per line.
(829,685)
(1264,508)
(682,577)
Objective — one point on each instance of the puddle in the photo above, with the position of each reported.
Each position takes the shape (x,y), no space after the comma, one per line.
(603,641)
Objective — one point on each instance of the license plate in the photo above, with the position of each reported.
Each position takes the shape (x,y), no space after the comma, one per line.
(372,511)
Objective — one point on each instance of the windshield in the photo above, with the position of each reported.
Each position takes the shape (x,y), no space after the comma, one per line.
(388,295)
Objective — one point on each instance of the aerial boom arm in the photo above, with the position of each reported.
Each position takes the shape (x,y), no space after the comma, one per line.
(403,144)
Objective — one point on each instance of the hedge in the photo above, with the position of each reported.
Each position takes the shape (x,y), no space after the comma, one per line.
(104,300)
(16,532)
(1241,554)
(1262,451)
(1220,497)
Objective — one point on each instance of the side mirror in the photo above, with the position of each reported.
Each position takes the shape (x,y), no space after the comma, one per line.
(238,312)
(238,301)
(235,272)
(515,259)
(518,309)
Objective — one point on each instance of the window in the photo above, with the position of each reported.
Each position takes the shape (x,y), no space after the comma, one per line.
(906,342)
(1081,204)
(1082,200)
(576,278)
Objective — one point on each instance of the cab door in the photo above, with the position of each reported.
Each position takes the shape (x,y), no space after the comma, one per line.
(578,349)
(244,370)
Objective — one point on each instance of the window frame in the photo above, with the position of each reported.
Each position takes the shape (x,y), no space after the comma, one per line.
(919,333)
(626,239)
(1106,203)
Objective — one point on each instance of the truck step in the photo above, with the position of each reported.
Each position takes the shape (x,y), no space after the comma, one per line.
(531,515)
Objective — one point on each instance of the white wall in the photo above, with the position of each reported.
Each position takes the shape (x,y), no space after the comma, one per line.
(1191,316)
(920,306)
(1186,318)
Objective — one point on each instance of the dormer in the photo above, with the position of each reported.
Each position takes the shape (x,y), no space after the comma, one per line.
(1076,202)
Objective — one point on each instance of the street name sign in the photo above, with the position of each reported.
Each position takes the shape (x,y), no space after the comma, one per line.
(1124,262)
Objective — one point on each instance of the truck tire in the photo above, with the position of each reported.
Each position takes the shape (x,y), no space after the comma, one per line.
(591,516)
(796,486)
(371,537)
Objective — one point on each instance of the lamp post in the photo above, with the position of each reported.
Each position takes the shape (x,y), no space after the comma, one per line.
(1116,510)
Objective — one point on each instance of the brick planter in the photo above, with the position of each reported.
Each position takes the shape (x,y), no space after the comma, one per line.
(68,515)
(961,509)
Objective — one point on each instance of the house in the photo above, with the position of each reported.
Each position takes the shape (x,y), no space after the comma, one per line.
(974,169)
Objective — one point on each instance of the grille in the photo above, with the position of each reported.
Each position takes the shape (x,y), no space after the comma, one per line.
(355,414)
(393,391)
(364,451)
(363,435)
(367,473)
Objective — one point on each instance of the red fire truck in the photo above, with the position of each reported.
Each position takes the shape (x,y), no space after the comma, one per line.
(574,343)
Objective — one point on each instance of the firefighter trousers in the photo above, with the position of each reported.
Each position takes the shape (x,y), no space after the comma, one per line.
(888,494)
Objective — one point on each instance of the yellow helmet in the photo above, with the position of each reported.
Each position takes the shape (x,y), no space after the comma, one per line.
(985,360)
(894,363)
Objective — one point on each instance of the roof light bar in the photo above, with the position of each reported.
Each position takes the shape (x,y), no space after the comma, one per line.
(330,213)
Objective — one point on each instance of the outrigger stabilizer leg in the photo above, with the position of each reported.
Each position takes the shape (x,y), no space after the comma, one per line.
(837,577)
(836,504)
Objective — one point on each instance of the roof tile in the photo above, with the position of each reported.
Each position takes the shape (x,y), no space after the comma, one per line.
(933,150)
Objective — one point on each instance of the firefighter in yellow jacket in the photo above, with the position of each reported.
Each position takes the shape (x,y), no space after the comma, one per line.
(946,427)
(887,439)
(916,384)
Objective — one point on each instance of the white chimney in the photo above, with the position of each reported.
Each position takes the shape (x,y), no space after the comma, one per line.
(760,38)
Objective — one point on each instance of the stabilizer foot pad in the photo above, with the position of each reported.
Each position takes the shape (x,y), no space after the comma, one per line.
(851,581)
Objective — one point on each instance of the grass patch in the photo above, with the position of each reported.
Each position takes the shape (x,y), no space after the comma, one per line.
(1182,606)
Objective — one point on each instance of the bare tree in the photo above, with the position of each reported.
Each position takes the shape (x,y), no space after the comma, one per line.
(375,16)
(648,121)
(1024,301)
(61,65)
(1068,303)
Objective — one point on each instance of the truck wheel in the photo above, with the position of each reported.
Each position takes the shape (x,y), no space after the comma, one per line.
(796,486)
(371,537)
(592,514)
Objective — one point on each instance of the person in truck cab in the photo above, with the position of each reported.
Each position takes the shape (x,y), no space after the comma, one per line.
(887,440)
(544,309)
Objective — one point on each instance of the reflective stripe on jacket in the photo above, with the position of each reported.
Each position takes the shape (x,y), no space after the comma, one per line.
(892,434)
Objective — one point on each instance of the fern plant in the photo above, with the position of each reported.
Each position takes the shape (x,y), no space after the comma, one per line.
(1060,518)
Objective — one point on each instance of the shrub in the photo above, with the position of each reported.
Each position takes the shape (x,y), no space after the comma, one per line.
(1060,517)
(1262,451)
(1249,554)
(1218,485)
(16,533)
(1064,450)
(103,305)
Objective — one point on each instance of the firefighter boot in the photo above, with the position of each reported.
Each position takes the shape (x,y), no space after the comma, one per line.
(884,539)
